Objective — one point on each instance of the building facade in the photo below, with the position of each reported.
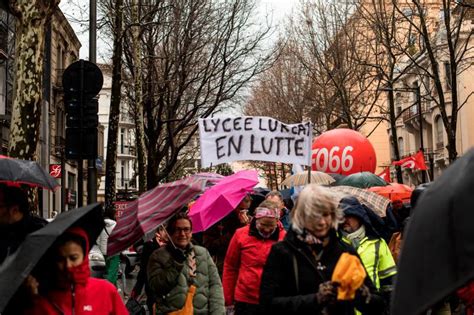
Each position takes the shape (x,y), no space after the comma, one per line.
(61,49)
(416,96)
(125,180)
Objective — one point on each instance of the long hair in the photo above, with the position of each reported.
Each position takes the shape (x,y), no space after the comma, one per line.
(314,201)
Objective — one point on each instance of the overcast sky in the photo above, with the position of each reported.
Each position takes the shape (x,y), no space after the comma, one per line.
(77,12)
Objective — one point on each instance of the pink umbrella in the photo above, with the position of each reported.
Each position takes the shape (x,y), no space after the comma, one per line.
(154,207)
(219,200)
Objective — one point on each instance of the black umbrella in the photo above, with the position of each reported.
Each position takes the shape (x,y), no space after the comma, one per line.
(438,249)
(25,172)
(19,265)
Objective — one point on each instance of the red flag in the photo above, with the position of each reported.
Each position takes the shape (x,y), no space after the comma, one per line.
(385,174)
(416,162)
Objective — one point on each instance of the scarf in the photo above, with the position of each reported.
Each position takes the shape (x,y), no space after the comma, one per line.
(356,236)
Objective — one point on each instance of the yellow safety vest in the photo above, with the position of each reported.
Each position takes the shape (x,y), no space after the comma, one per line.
(377,259)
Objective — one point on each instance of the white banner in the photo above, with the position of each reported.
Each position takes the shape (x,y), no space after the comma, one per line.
(225,139)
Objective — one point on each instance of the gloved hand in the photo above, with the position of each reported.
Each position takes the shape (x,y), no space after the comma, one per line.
(177,254)
(230,310)
(327,293)
(363,293)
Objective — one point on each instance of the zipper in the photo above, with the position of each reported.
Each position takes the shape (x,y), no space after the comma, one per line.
(73,296)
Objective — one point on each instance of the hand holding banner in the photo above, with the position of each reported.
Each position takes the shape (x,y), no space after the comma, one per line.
(225,139)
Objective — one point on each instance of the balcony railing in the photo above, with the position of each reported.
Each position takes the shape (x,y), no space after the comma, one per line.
(412,111)
(127,150)
(125,182)
(126,118)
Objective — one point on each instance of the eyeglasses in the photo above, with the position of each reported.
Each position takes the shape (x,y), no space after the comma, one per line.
(186,230)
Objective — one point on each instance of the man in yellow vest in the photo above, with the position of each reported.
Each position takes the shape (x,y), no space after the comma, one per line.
(372,249)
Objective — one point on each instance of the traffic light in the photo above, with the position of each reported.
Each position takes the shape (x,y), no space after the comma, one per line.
(81,126)
(81,81)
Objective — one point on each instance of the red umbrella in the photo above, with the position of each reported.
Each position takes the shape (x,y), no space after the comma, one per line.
(394,191)
(154,207)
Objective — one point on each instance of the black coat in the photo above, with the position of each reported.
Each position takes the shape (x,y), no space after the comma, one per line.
(279,293)
(12,235)
(142,278)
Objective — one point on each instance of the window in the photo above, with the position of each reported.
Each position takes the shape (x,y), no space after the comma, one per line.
(439,133)
(60,128)
(3,88)
(71,181)
(398,110)
(401,146)
(122,173)
(447,73)
(122,140)
(3,38)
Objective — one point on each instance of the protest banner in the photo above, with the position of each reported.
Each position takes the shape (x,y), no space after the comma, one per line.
(226,139)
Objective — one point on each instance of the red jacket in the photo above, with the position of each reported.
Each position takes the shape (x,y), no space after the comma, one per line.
(97,296)
(80,292)
(244,262)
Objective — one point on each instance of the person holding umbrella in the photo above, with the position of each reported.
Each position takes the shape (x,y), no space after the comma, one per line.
(65,285)
(217,238)
(297,276)
(16,220)
(248,250)
(183,276)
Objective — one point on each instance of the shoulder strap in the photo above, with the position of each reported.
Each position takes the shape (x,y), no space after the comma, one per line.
(376,260)
(295,270)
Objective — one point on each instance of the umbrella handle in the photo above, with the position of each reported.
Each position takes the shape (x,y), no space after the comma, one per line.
(169,238)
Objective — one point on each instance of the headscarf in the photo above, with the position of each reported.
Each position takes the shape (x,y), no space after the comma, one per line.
(263,212)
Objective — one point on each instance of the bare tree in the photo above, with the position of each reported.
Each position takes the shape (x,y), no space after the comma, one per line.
(332,53)
(114,114)
(197,56)
(451,45)
(386,36)
(32,16)
(138,94)
(284,91)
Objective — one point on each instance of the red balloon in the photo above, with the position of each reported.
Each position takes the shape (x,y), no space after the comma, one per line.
(343,151)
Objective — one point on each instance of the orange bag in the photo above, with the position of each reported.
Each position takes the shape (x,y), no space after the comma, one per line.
(350,275)
(188,308)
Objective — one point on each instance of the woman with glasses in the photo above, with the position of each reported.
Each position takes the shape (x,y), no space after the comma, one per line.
(246,256)
(297,275)
(181,273)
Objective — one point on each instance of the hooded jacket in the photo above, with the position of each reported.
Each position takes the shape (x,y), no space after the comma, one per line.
(292,275)
(243,265)
(81,294)
(372,249)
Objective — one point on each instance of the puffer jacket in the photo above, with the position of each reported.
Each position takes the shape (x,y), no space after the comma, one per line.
(243,265)
(170,281)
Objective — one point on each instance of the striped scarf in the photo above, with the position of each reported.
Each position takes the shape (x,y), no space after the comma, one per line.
(192,264)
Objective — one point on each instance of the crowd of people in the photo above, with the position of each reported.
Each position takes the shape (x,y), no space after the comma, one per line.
(267,260)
